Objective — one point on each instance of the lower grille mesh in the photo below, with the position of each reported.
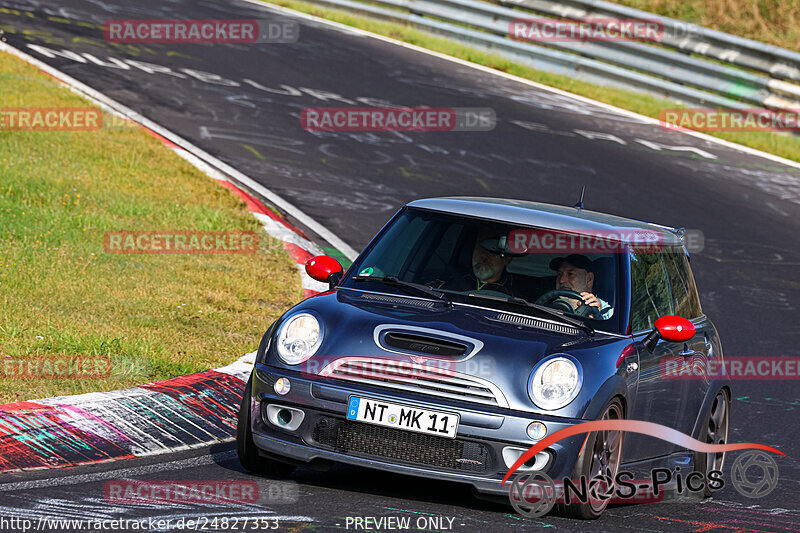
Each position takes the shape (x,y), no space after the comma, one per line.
(355,437)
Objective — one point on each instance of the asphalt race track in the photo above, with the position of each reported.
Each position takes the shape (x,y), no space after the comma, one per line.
(242,103)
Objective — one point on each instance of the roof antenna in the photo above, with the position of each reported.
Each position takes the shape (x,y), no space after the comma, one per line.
(579,205)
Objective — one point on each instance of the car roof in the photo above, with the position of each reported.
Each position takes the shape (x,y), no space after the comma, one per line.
(540,215)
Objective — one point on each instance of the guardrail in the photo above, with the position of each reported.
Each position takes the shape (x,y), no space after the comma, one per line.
(732,72)
(778,62)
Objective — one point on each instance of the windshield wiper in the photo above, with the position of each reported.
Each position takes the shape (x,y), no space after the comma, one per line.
(409,286)
(552,313)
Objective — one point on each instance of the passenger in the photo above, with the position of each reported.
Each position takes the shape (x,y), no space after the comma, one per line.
(489,264)
(488,272)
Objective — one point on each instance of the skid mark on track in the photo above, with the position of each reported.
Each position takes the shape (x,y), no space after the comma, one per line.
(734,516)
(772,403)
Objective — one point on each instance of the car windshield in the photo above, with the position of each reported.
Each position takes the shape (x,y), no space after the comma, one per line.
(468,258)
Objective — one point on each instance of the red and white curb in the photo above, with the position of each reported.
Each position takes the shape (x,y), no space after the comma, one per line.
(165,416)
(161,417)
(295,242)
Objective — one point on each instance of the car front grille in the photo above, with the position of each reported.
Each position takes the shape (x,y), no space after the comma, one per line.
(346,436)
(419,378)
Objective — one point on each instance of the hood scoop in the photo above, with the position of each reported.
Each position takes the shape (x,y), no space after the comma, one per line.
(430,343)
(409,342)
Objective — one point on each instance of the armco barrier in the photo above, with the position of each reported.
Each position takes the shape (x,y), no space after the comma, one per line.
(775,61)
(665,68)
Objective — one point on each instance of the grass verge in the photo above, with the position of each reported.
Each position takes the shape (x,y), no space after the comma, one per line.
(62,296)
(779,144)
(769,21)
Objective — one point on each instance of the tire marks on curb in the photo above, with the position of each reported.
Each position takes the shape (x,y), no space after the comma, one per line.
(175,414)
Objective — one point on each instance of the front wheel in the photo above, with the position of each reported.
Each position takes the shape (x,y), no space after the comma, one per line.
(599,461)
(246,449)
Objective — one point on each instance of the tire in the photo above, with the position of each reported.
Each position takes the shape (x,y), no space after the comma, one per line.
(246,448)
(713,431)
(601,454)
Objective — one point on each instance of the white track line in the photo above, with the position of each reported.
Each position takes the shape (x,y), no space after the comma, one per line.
(618,110)
(118,473)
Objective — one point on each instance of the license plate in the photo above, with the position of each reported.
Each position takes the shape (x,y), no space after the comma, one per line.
(404,417)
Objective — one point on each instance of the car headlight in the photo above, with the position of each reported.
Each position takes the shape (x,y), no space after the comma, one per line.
(298,338)
(555,382)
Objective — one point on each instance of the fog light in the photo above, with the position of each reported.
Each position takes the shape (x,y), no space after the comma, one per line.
(540,461)
(284,417)
(282,386)
(537,430)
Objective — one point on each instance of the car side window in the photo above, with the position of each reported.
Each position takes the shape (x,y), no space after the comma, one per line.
(684,291)
(650,292)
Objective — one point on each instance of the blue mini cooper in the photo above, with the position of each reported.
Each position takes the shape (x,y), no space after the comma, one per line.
(470,328)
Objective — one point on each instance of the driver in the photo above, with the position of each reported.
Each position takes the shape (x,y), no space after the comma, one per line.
(575,273)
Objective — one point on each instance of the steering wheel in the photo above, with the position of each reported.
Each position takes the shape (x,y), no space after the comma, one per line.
(554,299)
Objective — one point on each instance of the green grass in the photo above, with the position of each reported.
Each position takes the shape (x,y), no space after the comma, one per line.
(61,295)
(770,21)
(779,144)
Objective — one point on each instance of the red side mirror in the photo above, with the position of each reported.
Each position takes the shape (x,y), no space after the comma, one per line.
(674,328)
(324,268)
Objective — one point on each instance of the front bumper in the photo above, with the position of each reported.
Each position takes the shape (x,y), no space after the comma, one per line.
(474,457)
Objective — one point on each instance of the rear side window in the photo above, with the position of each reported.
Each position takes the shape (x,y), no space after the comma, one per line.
(684,291)
(650,292)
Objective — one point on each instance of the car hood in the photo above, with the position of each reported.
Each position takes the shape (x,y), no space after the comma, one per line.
(413,343)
